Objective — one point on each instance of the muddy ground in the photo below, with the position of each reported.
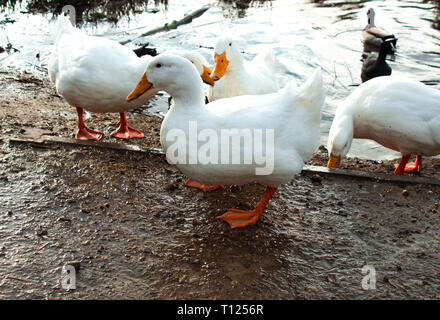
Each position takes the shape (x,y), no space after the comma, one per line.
(134,231)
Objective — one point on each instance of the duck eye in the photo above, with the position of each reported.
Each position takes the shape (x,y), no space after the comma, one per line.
(158,65)
(230,44)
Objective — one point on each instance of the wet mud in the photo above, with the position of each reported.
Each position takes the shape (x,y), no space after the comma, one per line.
(132,229)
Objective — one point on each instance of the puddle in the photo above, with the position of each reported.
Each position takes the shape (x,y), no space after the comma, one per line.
(303,35)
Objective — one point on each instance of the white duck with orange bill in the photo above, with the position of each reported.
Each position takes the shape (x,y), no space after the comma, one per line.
(284,125)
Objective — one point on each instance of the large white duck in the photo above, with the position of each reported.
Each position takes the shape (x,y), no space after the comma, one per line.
(96,74)
(400,114)
(234,76)
(196,137)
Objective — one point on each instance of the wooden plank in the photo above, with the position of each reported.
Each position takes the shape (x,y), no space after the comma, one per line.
(371,175)
(85,143)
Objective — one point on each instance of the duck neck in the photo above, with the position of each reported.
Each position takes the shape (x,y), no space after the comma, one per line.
(382,53)
(188,95)
(371,21)
(341,134)
(345,120)
(236,65)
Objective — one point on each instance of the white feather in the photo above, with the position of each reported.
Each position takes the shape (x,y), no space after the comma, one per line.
(96,73)
(400,114)
(244,77)
(293,113)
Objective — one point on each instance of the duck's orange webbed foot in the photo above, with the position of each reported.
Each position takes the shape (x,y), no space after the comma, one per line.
(241,218)
(412,167)
(125,131)
(204,187)
(83,132)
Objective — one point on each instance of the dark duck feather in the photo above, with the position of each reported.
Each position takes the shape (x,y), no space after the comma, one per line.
(376,65)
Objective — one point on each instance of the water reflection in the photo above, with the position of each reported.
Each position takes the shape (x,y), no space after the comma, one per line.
(237,9)
(349,5)
(436,22)
(90,11)
(8,4)
(113,10)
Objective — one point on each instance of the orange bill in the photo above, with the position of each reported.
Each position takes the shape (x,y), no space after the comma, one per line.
(142,87)
(220,66)
(206,76)
(334,161)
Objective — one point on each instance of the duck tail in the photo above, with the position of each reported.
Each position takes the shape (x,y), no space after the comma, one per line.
(312,94)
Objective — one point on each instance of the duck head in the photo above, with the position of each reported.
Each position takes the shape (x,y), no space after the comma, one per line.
(226,56)
(172,73)
(198,61)
(202,67)
(370,15)
(339,139)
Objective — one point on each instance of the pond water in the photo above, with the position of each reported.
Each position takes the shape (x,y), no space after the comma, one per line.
(302,33)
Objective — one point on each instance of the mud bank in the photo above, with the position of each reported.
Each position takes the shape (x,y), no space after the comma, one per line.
(132,229)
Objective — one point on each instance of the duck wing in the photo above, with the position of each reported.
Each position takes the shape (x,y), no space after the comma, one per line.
(373,37)
(378,32)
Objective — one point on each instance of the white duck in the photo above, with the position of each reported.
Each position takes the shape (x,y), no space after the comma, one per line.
(235,77)
(400,114)
(285,124)
(373,36)
(96,74)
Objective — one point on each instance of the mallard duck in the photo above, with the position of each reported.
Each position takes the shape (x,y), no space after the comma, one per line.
(400,114)
(376,65)
(96,74)
(196,136)
(373,36)
(235,77)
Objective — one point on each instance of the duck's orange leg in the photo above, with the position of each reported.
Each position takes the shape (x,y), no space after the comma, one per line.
(241,218)
(125,131)
(400,168)
(205,187)
(411,167)
(414,166)
(85,133)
